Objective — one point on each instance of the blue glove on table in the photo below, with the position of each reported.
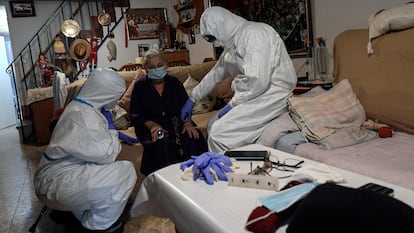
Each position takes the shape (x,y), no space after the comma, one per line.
(108,117)
(127,139)
(187,110)
(208,160)
(224,110)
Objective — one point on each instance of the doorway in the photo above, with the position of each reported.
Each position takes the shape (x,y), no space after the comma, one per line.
(8,115)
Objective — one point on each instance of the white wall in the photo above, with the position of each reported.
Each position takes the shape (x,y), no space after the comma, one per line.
(330,17)
(8,116)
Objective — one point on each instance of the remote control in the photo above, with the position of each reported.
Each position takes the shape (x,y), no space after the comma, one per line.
(378,188)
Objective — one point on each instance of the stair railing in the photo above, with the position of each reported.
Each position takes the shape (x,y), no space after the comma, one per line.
(24,68)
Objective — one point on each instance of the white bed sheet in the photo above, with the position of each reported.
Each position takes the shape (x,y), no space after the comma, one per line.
(389,159)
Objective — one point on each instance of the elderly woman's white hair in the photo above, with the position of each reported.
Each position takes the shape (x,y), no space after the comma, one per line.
(153,53)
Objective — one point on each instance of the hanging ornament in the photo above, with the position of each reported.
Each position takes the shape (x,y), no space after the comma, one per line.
(111,48)
(104,18)
(70,28)
(59,46)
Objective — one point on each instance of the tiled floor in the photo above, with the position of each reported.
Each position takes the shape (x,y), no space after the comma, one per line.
(19,206)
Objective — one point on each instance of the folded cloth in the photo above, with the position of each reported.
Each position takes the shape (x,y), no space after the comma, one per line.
(319,116)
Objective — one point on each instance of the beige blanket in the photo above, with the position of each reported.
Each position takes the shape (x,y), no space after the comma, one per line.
(320,116)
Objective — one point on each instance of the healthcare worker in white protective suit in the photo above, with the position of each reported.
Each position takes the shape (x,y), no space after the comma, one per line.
(264,78)
(78,171)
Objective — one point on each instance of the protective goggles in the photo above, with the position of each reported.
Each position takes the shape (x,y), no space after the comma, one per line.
(210,38)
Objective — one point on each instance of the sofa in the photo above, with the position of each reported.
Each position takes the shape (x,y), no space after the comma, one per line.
(382,82)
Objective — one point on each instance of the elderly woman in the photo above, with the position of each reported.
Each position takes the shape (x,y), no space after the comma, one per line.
(155,108)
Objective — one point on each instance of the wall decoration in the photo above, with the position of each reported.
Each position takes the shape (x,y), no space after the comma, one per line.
(143,23)
(22,8)
(142,48)
(291,19)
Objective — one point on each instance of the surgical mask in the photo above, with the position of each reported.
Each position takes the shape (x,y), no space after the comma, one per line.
(286,198)
(157,73)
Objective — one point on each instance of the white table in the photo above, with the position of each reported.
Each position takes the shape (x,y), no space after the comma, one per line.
(199,207)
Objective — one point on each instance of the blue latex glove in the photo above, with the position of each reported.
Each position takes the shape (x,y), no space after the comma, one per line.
(127,139)
(209,160)
(187,110)
(108,117)
(188,163)
(224,110)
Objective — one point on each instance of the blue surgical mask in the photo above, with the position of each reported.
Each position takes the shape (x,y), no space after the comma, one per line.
(286,198)
(157,73)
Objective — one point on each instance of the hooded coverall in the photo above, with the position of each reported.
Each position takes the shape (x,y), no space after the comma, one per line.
(78,171)
(264,77)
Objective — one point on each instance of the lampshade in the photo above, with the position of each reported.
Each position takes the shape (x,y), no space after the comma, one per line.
(70,28)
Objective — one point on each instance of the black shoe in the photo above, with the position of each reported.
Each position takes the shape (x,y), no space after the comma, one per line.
(63,217)
(117,227)
(67,219)
(73,225)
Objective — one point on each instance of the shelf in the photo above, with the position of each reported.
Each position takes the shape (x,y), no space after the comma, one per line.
(191,12)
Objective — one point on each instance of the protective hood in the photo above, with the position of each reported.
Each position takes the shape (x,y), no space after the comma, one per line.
(220,23)
(103,88)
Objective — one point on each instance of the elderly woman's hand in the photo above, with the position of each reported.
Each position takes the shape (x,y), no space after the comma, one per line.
(190,130)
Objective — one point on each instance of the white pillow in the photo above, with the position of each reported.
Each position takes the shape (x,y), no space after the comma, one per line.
(395,18)
(204,105)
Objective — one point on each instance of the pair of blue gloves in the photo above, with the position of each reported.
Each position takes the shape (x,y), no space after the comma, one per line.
(187,110)
(204,164)
(127,139)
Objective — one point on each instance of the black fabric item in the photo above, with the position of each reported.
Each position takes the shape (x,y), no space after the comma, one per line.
(165,151)
(334,208)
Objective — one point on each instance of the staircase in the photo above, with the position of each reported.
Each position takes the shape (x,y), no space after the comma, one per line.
(24,68)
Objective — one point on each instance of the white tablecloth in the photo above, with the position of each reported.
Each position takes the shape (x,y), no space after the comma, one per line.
(199,207)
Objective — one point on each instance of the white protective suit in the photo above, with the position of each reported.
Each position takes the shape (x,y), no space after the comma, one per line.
(264,77)
(77,172)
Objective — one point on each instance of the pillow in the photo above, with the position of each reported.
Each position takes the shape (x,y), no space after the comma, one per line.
(319,116)
(395,18)
(126,97)
(204,105)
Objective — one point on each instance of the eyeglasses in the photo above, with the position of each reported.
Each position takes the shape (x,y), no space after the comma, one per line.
(210,38)
(287,165)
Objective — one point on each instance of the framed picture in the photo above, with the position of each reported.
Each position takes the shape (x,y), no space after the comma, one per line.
(22,8)
(143,23)
(290,18)
(142,48)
